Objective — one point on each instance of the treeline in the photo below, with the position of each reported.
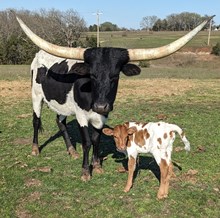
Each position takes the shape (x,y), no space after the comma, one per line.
(175,22)
(68,28)
(61,28)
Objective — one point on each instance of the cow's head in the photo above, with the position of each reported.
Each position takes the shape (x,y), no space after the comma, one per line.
(104,64)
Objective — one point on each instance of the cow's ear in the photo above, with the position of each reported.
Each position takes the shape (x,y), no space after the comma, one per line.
(80,68)
(131,70)
(107,131)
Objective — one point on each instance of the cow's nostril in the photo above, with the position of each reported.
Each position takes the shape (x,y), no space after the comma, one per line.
(101,108)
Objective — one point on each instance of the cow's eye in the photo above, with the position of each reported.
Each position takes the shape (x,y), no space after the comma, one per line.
(93,76)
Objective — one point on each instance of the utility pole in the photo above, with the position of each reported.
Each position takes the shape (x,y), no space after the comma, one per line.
(97,15)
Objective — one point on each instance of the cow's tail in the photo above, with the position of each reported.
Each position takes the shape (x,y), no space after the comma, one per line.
(182,136)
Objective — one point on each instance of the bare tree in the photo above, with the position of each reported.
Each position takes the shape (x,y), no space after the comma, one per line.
(73,26)
(62,28)
(148,22)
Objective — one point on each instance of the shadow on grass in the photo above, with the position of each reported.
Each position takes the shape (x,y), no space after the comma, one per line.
(107,147)
(143,163)
(106,143)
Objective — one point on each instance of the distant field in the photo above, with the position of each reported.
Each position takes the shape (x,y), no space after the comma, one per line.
(14,72)
(142,39)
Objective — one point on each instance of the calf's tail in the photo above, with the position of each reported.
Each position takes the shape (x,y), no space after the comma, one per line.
(182,136)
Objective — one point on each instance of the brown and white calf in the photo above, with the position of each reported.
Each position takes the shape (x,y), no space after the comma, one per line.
(156,138)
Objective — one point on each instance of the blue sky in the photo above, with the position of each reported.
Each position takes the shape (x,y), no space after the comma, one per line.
(127,13)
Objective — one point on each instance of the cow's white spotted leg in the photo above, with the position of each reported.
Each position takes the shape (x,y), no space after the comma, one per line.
(86,145)
(97,168)
(61,122)
(37,126)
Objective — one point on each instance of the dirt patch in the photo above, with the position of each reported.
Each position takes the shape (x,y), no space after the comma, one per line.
(21,212)
(19,89)
(22,141)
(33,182)
(151,88)
(197,50)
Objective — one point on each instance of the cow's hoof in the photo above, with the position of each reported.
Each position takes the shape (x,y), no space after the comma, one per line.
(98,170)
(121,169)
(73,153)
(35,150)
(85,176)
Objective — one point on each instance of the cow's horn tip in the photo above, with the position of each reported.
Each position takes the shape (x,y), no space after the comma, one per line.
(212,17)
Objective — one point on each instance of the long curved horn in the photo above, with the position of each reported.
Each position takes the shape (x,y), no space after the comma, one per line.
(163,51)
(60,51)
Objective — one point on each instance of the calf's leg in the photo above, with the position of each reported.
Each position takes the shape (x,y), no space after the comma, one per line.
(170,173)
(61,122)
(163,179)
(131,168)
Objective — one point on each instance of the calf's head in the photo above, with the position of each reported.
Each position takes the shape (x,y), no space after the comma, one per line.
(122,135)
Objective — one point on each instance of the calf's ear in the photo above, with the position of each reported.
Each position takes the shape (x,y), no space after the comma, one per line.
(132,130)
(131,70)
(80,68)
(107,131)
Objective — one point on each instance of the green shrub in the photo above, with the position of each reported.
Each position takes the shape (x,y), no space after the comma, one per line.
(91,41)
(216,49)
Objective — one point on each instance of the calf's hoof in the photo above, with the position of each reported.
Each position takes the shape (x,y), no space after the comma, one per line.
(73,153)
(35,150)
(161,196)
(127,189)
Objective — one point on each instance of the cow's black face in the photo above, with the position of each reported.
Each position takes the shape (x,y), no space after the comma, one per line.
(104,66)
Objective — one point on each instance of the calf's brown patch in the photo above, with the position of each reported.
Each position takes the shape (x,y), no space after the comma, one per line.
(139,138)
(159,140)
(165,135)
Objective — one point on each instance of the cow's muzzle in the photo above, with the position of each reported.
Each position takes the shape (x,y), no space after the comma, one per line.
(101,108)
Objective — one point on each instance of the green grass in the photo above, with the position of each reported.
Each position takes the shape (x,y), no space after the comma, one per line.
(28,190)
(10,72)
(143,39)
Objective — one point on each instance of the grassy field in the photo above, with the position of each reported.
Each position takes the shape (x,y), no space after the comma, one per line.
(143,39)
(179,89)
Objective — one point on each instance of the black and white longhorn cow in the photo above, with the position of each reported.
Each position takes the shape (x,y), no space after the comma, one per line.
(86,89)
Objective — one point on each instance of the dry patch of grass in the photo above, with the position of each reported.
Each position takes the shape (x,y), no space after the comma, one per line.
(18,89)
(153,88)
(144,88)
(14,91)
